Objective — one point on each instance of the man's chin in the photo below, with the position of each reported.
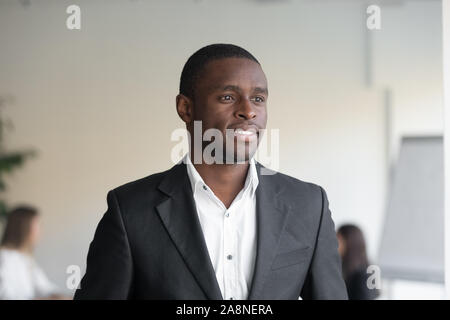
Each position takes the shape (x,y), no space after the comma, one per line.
(239,158)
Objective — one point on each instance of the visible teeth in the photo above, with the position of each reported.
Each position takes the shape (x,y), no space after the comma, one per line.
(240,131)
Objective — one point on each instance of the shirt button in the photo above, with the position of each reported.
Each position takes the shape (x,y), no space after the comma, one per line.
(204,187)
(227,214)
(229,257)
(231,298)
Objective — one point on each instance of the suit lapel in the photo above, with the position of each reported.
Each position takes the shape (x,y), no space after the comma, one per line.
(179,215)
(272,214)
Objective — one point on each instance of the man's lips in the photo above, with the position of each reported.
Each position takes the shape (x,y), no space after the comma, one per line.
(246,128)
(246,133)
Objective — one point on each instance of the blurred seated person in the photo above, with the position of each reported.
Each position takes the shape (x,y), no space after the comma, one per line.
(20,276)
(352,249)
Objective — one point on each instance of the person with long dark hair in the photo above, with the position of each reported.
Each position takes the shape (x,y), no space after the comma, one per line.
(352,248)
(20,277)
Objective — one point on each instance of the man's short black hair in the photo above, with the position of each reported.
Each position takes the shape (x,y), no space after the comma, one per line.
(199,59)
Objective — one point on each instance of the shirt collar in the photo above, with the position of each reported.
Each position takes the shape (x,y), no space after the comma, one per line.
(251,181)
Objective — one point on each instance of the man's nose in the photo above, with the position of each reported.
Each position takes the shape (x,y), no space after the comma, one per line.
(245,110)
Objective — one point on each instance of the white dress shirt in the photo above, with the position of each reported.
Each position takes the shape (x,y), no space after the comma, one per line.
(21,278)
(230,234)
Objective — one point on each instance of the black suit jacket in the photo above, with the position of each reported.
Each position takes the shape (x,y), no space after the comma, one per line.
(149,243)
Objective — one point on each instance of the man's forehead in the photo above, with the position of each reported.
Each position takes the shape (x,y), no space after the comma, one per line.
(243,73)
(232,65)
(262,88)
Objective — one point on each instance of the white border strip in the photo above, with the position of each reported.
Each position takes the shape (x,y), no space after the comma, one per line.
(446,82)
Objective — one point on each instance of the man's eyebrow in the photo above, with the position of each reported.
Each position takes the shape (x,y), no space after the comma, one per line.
(238,89)
(229,87)
(261,90)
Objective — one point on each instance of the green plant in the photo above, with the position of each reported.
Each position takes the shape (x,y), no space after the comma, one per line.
(9,160)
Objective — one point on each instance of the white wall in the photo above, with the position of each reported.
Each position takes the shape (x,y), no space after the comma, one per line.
(98,103)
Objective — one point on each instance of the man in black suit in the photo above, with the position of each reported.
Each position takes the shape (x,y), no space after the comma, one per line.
(164,238)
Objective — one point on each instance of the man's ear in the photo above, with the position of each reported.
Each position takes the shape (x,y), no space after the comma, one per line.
(185,108)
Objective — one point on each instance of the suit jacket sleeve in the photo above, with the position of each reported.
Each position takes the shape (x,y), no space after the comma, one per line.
(109,263)
(324,279)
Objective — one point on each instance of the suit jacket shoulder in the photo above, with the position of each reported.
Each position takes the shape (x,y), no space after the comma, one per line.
(307,197)
(134,196)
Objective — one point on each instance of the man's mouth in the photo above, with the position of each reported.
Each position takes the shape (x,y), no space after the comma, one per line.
(246,134)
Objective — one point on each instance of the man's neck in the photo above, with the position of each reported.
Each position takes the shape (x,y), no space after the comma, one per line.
(225,180)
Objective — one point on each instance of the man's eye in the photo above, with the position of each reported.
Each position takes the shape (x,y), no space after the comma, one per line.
(259,99)
(226,98)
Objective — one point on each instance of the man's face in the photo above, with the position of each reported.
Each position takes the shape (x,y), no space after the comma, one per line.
(231,93)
